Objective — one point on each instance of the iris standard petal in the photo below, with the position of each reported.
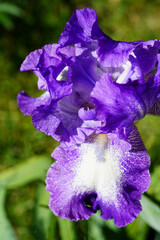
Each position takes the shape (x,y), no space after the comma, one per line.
(99,174)
(81,28)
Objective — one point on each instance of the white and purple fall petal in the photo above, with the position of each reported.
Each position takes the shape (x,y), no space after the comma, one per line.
(106,174)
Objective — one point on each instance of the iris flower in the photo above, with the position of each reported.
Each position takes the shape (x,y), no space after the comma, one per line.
(96,88)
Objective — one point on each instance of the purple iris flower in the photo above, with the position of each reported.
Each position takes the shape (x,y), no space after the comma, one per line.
(95,89)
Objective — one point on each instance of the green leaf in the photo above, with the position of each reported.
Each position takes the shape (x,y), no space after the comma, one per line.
(95,231)
(154,189)
(33,169)
(10,9)
(6,21)
(150,213)
(157,237)
(100,221)
(6,230)
(66,229)
(101,229)
(44,226)
(137,230)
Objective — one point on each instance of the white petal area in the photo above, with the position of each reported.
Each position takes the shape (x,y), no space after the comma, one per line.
(63,76)
(99,168)
(126,74)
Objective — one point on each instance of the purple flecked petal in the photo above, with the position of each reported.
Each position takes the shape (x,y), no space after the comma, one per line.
(99,174)
(118,106)
(29,104)
(44,119)
(155,109)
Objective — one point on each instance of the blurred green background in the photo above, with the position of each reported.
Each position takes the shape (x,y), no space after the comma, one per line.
(25,153)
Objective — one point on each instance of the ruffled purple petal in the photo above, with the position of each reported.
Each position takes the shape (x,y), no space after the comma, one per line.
(129,61)
(113,53)
(116,105)
(47,63)
(146,55)
(63,120)
(29,104)
(61,117)
(99,174)
(81,28)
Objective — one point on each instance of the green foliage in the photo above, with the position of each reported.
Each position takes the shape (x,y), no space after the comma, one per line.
(154,189)
(28,171)
(6,230)
(6,11)
(150,213)
(44,223)
(138,229)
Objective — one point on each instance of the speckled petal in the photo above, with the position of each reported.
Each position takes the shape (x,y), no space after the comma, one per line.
(99,174)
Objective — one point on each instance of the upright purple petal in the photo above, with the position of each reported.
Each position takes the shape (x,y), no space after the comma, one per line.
(81,28)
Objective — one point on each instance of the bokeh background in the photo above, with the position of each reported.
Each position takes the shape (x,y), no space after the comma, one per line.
(25,153)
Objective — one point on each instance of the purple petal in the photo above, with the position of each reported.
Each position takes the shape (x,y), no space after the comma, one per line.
(84,74)
(87,114)
(146,55)
(29,104)
(149,93)
(61,120)
(113,53)
(99,174)
(81,28)
(47,63)
(32,63)
(155,109)
(116,105)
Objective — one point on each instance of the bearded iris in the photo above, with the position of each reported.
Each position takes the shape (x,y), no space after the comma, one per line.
(95,89)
